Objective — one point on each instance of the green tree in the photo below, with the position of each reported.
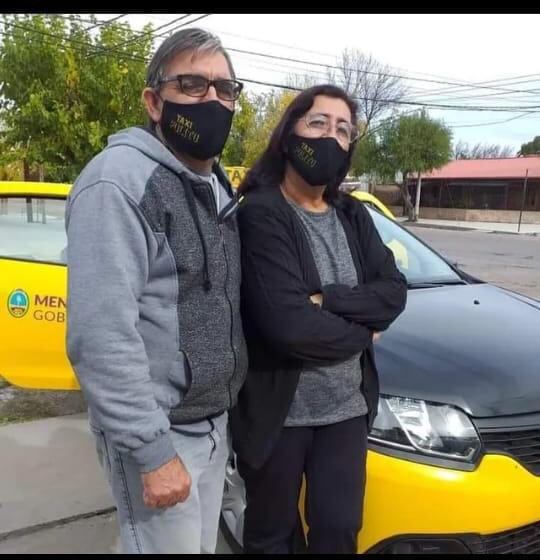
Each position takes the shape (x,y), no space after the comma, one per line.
(409,144)
(417,144)
(244,121)
(365,157)
(64,89)
(532,147)
(271,107)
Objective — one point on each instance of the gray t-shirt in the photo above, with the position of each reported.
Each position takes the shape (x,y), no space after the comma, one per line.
(328,393)
(221,196)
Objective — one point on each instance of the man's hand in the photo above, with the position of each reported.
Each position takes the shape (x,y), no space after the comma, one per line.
(376,335)
(167,485)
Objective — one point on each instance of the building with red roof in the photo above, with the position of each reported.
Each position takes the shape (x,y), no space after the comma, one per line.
(494,190)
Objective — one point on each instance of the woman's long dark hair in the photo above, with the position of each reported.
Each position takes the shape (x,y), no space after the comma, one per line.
(269,169)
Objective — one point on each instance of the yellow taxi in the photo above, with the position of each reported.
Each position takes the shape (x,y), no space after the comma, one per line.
(399,250)
(454,454)
(236,174)
(33,286)
(372,201)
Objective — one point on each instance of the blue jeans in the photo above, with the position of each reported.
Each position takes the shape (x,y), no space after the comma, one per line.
(190,527)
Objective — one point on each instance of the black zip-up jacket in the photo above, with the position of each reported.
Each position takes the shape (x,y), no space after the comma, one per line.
(284,329)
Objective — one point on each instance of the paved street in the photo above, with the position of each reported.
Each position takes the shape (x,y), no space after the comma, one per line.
(510,261)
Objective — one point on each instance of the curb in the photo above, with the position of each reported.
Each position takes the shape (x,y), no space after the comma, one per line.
(437,226)
(462,228)
(56,523)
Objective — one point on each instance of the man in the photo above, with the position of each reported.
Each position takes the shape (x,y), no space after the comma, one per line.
(154,329)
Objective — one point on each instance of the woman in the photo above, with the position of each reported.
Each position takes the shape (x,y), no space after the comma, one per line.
(317,284)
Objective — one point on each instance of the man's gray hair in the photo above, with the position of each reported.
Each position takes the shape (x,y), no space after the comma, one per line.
(186,40)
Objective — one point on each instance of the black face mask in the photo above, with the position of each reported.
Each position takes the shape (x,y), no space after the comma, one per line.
(317,160)
(199,130)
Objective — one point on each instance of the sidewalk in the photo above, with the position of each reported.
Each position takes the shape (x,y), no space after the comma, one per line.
(54,497)
(50,472)
(492,227)
(91,535)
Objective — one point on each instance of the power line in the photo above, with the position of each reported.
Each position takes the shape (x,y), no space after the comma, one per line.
(320,64)
(183,25)
(73,18)
(489,102)
(488,99)
(525,93)
(294,71)
(532,108)
(529,108)
(105,22)
(508,81)
(429,93)
(521,95)
(385,122)
(275,57)
(292,47)
(72,46)
(139,36)
(105,50)
(152,33)
(322,77)
(489,123)
(74,41)
(197,19)
(449,80)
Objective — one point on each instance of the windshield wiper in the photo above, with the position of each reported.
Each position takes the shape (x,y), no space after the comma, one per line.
(435,284)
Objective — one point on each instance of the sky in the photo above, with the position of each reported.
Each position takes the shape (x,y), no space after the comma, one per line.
(483,60)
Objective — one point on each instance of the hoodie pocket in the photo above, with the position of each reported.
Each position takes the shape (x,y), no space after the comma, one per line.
(102,449)
(173,382)
(179,378)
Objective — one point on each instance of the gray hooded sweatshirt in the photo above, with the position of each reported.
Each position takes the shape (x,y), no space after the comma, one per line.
(154,331)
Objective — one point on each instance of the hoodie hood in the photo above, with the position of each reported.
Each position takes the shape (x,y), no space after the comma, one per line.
(147,142)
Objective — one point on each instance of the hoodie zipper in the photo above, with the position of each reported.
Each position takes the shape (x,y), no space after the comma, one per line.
(222,239)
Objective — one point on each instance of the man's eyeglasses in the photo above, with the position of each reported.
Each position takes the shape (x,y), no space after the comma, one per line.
(197,86)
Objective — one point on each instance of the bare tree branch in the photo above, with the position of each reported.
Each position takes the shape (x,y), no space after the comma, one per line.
(370,82)
(481,151)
